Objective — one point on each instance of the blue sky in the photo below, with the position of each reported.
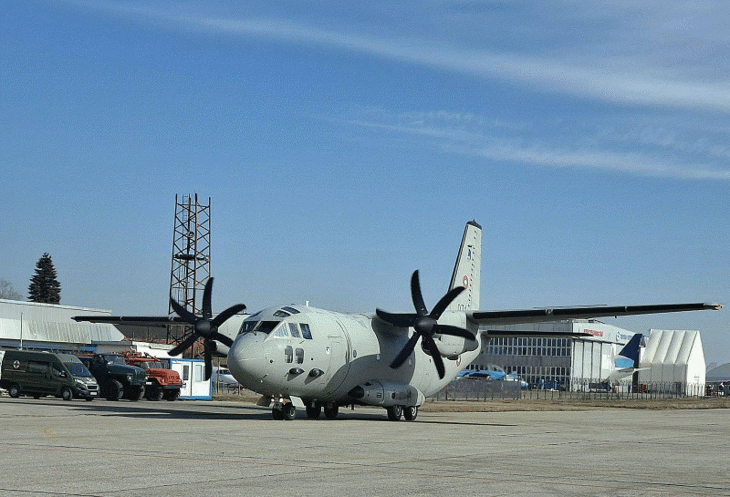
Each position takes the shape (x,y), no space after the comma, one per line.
(344,147)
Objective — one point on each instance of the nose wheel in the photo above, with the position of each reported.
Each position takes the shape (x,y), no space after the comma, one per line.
(284,411)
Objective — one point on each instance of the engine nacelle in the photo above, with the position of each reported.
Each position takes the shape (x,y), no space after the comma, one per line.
(452,347)
(218,349)
(386,394)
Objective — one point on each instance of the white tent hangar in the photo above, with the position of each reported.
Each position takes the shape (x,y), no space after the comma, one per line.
(674,360)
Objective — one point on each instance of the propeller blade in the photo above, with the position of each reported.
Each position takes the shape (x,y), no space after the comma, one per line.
(406,352)
(445,329)
(208,360)
(436,355)
(223,316)
(399,320)
(442,304)
(179,348)
(185,314)
(207,300)
(416,295)
(222,338)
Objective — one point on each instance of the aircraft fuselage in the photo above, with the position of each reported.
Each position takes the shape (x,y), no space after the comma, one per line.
(320,356)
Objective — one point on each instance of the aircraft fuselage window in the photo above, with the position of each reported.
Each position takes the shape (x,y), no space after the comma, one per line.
(306,333)
(300,355)
(294,330)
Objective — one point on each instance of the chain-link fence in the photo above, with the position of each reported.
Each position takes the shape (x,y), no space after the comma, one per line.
(480,389)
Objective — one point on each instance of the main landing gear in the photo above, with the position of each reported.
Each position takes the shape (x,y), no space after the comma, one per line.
(285,410)
(407,412)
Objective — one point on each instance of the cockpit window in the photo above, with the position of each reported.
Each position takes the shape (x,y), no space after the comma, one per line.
(291,310)
(281,314)
(267,326)
(247,326)
(294,330)
(281,332)
(305,331)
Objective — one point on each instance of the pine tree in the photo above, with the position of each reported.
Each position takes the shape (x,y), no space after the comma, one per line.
(44,285)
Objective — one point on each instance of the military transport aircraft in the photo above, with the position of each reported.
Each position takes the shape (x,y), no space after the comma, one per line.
(319,360)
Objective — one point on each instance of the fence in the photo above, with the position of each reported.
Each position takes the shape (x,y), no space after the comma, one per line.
(480,389)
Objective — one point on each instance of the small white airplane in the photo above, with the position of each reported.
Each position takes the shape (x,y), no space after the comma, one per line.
(319,360)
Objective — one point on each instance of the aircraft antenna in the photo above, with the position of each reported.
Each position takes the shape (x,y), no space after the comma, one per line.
(190,262)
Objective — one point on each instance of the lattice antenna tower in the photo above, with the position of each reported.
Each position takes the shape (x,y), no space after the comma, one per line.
(190,260)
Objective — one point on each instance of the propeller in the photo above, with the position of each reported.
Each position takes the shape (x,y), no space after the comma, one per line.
(425,325)
(205,326)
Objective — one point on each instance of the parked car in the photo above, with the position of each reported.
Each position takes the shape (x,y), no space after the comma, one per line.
(24,372)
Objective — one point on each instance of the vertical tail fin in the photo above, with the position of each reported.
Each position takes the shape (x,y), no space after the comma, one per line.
(467,271)
(629,355)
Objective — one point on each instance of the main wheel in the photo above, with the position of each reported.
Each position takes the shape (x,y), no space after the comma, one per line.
(14,391)
(277,413)
(395,413)
(314,411)
(410,413)
(113,390)
(331,412)
(66,393)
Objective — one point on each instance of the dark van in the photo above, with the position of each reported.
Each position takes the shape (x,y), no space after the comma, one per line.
(38,374)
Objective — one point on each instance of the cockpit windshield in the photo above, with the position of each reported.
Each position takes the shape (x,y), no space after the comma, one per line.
(258,326)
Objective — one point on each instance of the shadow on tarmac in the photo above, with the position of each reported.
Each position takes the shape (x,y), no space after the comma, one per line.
(189,410)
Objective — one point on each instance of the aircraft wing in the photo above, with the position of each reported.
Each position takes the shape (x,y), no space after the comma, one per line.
(522,316)
(132,320)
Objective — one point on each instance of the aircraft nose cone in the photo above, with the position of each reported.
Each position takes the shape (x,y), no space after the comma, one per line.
(246,360)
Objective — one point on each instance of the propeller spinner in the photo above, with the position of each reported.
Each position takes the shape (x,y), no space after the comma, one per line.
(425,325)
(205,326)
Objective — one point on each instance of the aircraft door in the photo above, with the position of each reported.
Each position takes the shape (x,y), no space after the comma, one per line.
(339,361)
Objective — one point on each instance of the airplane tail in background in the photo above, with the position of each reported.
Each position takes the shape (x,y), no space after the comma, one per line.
(629,355)
(627,361)
(467,271)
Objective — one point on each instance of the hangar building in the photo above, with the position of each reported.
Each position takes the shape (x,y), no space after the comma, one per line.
(670,360)
(49,326)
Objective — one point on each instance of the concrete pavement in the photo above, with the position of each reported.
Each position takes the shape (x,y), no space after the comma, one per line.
(102,448)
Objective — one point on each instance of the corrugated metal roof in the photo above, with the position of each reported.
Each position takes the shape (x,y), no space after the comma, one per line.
(52,323)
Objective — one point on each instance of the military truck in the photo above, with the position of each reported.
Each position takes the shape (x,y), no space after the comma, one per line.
(117,379)
(162,382)
(24,372)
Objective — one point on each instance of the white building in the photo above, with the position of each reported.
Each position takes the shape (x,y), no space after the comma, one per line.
(49,326)
(673,360)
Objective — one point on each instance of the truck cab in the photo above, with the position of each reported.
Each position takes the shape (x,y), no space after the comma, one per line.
(162,382)
(117,379)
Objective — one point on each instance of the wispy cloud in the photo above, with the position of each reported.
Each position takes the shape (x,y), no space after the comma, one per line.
(578,145)
(596,73)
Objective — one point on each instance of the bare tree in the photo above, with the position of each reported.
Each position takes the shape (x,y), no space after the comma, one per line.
(8,292)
